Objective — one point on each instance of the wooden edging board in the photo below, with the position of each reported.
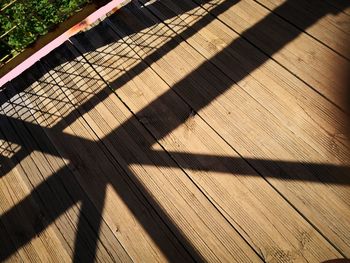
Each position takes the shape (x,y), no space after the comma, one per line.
(45,44)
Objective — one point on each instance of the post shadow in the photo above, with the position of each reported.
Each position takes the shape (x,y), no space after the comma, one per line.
(116,136)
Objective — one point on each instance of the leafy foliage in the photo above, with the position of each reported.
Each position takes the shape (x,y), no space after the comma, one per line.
(22,21)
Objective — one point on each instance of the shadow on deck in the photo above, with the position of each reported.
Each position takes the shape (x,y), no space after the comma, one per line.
(53,141)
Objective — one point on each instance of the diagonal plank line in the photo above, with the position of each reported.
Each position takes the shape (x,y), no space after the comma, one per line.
(20,155)
(197,160)
(328,173)
(56,209)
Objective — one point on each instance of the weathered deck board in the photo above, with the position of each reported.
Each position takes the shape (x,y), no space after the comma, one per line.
(189,139)
(302,55)
(270,79)
(22,222)
(118,130)
(332,30)
(54,182)
(7,245)
(237,113)
(121,206)
(223,139)
(339,4)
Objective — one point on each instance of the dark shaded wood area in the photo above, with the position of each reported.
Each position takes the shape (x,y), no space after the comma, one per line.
(183,131)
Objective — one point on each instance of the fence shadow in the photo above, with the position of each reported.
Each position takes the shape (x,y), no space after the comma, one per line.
(38,126)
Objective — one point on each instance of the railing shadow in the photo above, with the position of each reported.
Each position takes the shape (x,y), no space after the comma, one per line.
(44,124)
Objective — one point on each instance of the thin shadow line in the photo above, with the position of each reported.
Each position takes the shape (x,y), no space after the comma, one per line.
(231,164)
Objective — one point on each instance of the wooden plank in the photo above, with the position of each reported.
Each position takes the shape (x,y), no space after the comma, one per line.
(218,38)
(332,27)
(340,5)
(121,205)
(20,223)
(55,184)
(189,139)
(78,21)
(272,119)
(29,252)
(188,209)
(308,59)
(6,244)
(334,120)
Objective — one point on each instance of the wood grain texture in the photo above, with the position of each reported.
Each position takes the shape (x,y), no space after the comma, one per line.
(339,4)
(123,211)
(60,195)
(332,28)
(188,139)
(8,245)
(302,55)
(22,223)
(118,130)
(251,128)
(202,130)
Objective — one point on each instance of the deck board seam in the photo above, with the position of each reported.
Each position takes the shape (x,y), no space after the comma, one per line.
(224,73)
(37,199)
(301,30)
(3,226)
(82,215)
(241,35)
(157,141)
(240,155)
(167,152)
(97,234)
(244,158)
(248,163)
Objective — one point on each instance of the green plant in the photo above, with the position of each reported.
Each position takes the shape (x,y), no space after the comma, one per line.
(22,21)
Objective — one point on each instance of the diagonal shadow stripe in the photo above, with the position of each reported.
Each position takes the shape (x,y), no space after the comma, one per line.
(195,161)
(327,173)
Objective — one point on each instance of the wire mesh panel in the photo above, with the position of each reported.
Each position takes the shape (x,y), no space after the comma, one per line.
(22,21)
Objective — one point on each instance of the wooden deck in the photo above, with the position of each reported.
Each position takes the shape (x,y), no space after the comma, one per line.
(199,130)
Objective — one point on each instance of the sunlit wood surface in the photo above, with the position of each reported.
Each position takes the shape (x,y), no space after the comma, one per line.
(199,130)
